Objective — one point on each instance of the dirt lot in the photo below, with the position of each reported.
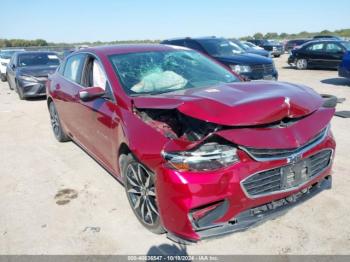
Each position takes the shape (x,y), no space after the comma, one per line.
(56,200)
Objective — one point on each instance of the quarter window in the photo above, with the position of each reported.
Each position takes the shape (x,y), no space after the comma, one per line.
(73,67)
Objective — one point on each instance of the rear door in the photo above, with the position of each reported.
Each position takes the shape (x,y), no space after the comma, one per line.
(66,92)
(334,54)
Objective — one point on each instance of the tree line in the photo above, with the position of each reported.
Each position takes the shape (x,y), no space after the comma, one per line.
(270,35)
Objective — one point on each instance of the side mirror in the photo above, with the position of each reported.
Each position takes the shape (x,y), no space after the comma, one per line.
(13,66)
(91,93)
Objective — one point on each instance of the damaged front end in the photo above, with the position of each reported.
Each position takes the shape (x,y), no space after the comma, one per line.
(224,160)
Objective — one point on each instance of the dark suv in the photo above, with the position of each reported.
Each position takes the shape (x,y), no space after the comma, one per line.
(275,48)
(249,66)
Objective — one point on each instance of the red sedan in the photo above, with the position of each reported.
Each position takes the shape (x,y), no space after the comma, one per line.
(200,152)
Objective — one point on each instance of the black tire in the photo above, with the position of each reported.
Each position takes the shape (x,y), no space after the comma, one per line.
(57,129)
(3,78)
(277,56)
(329,100)
(139,184)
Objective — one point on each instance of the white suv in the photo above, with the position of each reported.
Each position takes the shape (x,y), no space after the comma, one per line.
(5,56)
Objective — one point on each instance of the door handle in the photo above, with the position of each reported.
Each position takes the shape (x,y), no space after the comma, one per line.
(58,86)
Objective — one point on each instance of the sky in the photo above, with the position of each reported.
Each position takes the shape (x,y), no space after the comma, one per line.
(108,20)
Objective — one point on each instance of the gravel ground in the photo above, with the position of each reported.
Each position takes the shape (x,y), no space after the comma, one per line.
(55,199)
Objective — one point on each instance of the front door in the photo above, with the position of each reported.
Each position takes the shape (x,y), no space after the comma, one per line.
(99,114)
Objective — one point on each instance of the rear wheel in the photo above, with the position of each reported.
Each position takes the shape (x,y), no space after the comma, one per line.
(139,185)
(301,64)
(56,124)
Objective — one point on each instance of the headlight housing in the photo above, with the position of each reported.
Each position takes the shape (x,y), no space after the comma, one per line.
(241,68)
(28,78)
(208,156)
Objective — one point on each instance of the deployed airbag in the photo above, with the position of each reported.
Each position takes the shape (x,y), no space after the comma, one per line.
(159,81)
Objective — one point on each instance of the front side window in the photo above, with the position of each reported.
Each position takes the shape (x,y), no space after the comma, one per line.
(161,72)
(38,59)
(316,47)
(73,67)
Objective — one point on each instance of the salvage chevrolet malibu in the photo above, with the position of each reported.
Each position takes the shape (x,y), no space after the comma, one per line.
(200,152)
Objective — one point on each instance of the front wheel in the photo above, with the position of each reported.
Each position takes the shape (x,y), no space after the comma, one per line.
(19,92)
(139,185)
(301,64)
(9,82)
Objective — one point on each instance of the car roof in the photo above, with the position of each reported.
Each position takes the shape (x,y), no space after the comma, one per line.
(128,48)
(326,41)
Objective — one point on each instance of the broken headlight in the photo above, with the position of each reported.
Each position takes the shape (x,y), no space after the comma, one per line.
(209,156)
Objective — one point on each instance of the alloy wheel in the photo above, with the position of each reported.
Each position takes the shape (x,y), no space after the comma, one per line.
(141,191)
(301,64)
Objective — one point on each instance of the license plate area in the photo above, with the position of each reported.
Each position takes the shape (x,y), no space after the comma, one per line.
(294,175)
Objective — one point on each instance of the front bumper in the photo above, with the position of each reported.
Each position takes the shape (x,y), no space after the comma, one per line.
(32,89)
(179,193)
(291,60)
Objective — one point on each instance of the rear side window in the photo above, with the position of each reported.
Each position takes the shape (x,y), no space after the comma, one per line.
(333,48)
(74,67)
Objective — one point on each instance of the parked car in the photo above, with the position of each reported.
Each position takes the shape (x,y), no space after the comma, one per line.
(27,72)
(5,56)
(318,37)
(344,68)
(249,66)
(251,50)
(276,49)
(319,54)
(199,152)
(295,43)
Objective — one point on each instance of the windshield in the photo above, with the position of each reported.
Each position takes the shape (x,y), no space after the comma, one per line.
(161,72)
(6,54)
(221,47)
(346,44)
(241,45)
(248,44)
(38,59)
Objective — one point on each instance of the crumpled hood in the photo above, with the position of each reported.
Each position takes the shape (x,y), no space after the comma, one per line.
(238,104)
(37,70)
